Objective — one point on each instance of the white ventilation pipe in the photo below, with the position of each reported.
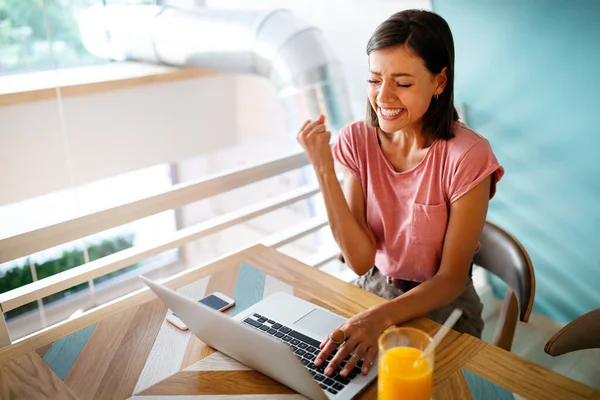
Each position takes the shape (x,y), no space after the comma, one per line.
(291,54)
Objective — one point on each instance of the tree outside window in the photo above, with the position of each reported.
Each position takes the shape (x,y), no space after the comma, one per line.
(24,45)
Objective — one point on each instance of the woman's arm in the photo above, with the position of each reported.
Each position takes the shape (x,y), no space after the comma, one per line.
(346,214)
(467,217)
(347,219)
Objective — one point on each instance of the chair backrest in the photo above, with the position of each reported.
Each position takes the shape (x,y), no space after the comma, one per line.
(581,333)
(504,256)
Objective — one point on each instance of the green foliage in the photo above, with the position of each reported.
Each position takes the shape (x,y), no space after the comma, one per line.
(20,276)
(23,40)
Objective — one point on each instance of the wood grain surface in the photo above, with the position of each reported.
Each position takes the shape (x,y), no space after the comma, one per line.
(127,349)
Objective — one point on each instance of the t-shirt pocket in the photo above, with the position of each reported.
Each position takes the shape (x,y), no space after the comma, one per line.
(428,223)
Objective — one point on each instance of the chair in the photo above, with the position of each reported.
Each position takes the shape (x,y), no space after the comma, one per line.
(579,334)
(504,256)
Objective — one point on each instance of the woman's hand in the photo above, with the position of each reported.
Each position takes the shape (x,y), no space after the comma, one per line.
(314,138)
(361,334)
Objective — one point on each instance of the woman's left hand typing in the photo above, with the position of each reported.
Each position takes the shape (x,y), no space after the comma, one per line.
(359,335)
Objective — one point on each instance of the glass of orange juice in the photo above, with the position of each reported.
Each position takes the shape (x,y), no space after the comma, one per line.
(403,373)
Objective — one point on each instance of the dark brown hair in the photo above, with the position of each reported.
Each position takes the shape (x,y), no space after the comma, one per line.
(428,35)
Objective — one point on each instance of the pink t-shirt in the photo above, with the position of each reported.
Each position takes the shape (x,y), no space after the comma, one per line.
(408,211)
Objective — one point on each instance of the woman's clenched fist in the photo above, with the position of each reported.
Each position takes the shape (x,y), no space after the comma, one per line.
(314,138)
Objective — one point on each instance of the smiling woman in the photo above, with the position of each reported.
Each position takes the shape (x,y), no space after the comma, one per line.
(409,69)
(416,188)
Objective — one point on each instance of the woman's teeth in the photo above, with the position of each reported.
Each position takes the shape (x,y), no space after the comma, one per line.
(391,113)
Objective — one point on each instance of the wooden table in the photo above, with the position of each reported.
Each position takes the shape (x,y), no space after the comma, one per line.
(126,349)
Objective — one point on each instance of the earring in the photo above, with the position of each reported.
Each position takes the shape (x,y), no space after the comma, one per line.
(436,96)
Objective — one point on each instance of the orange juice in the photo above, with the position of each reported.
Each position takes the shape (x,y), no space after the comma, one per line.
(400,378)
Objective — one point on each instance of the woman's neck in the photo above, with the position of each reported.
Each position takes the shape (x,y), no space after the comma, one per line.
(409,138)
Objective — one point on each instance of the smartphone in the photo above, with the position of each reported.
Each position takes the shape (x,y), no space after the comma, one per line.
(216,300)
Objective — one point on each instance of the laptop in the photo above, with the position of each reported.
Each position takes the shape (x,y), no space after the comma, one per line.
(278,336)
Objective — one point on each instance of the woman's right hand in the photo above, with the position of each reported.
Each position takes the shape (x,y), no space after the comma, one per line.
(314,138)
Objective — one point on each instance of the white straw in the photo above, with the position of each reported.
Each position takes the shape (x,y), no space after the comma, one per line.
(442,332)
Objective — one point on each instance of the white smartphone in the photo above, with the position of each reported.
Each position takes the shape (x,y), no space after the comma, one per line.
(216,300)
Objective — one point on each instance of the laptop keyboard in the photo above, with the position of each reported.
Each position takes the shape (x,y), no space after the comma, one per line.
(306,349)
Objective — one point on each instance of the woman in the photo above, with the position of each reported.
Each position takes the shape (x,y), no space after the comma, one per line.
(416,188)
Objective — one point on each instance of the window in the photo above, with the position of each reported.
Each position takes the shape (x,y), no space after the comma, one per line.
(27,27)
(65,204)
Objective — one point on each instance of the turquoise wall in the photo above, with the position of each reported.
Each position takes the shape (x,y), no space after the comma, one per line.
(528,75)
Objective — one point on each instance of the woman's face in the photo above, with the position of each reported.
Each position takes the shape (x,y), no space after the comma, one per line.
(401,88)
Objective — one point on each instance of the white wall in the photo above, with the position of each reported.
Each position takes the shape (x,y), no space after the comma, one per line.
(112,132)
(259,112)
